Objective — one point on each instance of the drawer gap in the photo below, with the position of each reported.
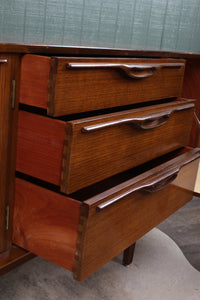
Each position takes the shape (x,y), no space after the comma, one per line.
(43,112)
(106,184)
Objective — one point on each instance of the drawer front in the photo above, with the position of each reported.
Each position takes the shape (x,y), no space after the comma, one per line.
(48,224)
(105,146)
(73,85)
(82,152)
(115,219)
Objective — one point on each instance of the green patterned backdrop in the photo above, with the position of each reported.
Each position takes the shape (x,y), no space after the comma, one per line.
(137,24)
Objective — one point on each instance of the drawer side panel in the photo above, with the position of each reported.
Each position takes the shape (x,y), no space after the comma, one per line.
(40,143)
(46,223)
(34,80)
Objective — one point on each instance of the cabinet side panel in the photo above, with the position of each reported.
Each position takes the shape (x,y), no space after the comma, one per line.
(9,84)
(191,90)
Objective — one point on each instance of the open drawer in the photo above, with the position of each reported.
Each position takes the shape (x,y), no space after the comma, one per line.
(67,85)
(68,154)
(83,235)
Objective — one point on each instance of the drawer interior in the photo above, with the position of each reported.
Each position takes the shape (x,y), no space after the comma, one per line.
(75,231)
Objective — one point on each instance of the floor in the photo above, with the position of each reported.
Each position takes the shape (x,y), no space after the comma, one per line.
(184,228)
(159,271)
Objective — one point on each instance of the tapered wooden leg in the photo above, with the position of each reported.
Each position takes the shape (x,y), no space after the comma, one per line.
(128,255)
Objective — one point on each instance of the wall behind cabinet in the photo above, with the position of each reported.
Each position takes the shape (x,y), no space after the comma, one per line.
(137,24)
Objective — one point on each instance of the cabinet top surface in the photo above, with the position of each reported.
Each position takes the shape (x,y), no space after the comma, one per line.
(86,51)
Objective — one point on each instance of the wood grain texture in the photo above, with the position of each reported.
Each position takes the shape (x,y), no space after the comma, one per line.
(117,148)
(13,258)
(30,48)
(34,80)
(46,223)
(104,234)
(46,152)
(191,89)
(40,143)
(80,90)
(85,89)
(9,71)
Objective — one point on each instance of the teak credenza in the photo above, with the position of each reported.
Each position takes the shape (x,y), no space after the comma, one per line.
(97,147)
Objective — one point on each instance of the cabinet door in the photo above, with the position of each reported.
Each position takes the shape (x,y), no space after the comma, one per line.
(9,75)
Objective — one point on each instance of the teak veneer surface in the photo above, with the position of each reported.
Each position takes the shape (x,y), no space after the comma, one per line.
(74,89)
(40,146)
(48,223)
(62,154)
(104,234)
(10,71)
(85,51)
(34,80)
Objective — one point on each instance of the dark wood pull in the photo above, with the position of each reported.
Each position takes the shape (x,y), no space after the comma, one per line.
(161,184)
(135,71)
(144,123)
(153,186)
(3,60)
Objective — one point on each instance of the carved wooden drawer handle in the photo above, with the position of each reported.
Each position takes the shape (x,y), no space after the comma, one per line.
(3,60)
(150,187)
(154,185)
(144,123)
(161,184)
(135,71)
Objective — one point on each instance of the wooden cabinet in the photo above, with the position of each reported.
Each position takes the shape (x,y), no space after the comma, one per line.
(101,154)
